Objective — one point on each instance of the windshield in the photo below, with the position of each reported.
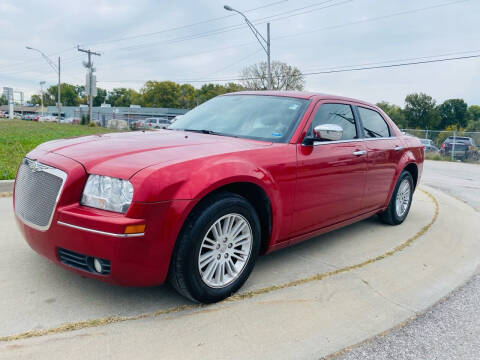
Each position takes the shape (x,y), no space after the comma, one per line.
(269,118)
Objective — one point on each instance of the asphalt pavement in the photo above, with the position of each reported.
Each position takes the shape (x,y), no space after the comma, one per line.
(304,302)
(451,328)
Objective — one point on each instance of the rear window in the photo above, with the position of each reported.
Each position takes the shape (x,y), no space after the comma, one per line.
(373,123)
(461,139)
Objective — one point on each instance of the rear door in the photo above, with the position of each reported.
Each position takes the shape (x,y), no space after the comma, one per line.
(383,154)
(331,174)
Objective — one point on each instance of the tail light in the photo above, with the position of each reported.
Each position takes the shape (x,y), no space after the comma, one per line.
(443,146)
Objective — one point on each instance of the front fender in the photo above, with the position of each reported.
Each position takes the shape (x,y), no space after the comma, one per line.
(194,179)
(272,169)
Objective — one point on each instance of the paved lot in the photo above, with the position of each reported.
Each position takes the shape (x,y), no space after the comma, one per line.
(303,302)
(41,295)
(450,329)
(461,180)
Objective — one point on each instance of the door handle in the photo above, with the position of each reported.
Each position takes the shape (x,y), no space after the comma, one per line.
(398,148)
(359,152)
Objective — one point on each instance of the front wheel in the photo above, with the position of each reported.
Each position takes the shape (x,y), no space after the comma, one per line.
(217,249)
(400,202)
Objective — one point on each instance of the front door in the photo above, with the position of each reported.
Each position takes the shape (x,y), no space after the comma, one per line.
(331,175)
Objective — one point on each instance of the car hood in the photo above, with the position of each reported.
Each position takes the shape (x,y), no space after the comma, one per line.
(124,154)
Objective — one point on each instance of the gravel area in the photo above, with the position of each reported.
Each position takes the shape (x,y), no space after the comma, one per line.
(450,329)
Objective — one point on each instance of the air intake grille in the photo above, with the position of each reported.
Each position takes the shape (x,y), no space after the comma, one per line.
(82,262)
(36,192)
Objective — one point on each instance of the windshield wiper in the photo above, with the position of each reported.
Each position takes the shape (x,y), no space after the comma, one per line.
(209,132)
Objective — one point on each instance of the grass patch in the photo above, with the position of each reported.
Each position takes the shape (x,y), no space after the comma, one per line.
(438,157)
(18,137)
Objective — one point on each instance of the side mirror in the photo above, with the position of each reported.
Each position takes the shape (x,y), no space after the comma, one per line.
(330,132)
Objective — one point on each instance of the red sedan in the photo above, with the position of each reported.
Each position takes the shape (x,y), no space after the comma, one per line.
(240,175)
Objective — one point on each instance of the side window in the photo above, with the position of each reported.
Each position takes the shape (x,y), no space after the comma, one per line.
(338,114)
(373,123)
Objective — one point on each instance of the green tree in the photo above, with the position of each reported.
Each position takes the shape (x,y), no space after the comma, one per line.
(123,97)
(187,96)
(395,113)
(161,94)
(233,87)
(208,91)
(3,100)
(473,125)
(474,112)
(453,112)
(420,112)
(284,77)
(36,99)
(100,98)
(69,95)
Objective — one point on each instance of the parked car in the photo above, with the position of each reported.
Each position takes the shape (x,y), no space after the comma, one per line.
(139,124)
(70,120)
(429,145)
(48,118)
(242,174)
(462,147)
(156,123)
(117,124)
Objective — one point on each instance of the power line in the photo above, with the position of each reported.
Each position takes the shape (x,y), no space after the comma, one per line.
(185,26)
(326,71)
(257,22)
(239,26)
(377,18)
(289,35)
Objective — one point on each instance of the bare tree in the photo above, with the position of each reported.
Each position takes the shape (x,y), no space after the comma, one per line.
(284,77)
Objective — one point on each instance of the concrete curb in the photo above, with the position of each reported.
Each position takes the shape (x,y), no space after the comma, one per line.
(6,186)
(315,317)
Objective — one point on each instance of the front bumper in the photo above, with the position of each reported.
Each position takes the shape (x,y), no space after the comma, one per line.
(140,259)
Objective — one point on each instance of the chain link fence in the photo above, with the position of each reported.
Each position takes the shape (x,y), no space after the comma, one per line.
(449,145)
(112,120)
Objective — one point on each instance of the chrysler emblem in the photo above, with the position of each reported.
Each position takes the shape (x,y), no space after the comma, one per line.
(34,165)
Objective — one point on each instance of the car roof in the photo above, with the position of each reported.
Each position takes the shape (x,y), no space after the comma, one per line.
(300,95)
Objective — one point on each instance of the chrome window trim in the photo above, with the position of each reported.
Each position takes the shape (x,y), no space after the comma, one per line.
(315,143)
(99,231)
(380,138)
(51,170)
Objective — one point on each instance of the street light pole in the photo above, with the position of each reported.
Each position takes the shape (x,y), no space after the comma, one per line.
(41,94)
(265,43)
(59,105)
(56,68)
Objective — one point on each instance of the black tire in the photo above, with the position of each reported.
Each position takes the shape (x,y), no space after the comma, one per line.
(184,272)
(390,215)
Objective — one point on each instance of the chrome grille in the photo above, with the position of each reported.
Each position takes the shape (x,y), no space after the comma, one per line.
(37,190)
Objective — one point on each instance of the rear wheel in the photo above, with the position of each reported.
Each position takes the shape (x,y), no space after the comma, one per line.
(217,249)
(400,202)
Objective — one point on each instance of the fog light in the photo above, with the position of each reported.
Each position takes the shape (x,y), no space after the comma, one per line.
(97,264)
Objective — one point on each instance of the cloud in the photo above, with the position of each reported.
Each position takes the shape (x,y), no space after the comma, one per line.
(147,39)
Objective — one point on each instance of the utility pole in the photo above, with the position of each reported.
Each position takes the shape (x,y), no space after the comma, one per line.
(90,79)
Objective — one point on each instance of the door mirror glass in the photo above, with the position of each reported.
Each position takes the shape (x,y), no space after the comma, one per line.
(331,132)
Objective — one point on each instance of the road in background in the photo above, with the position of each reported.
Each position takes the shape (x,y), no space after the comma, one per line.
(449,330)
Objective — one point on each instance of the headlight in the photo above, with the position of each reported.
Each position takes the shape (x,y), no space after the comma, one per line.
(107,193)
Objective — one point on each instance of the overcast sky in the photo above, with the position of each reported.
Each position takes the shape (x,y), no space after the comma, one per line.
(153,40)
